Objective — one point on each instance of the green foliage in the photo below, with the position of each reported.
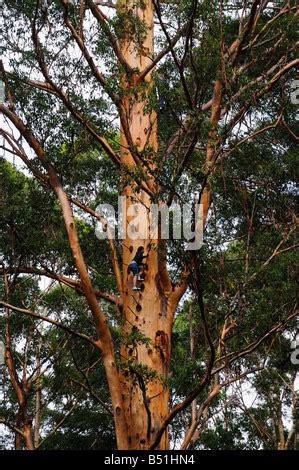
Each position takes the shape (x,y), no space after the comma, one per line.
(140,374)
(135,337)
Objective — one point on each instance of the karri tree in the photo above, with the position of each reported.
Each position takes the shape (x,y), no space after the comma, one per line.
(178,95)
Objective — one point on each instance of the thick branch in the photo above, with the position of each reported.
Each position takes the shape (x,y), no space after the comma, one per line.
(205,196)
(115,263)
(105,340)
(45,180)
(246,31)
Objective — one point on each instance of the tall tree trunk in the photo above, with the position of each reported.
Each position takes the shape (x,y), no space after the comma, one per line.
(192,352)
(150,310)
(38,396)
(281,443)
(23,419)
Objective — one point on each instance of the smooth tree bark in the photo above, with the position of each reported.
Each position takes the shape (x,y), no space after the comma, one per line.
(150,311)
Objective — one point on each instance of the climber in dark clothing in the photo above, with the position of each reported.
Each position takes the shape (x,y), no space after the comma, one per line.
(136,267)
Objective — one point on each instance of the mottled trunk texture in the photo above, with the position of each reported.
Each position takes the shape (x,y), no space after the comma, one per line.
(150,310)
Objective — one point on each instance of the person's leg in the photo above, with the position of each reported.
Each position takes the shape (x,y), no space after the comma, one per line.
(135,270)
(141,273)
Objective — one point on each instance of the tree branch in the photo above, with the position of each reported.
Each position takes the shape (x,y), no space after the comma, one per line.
(246,31)
(172,42)
(19,386)
(252,347)
(115,263)
(105,341)
(12,427)
(94,395)
(73,283)
(231,357)
(192,430)
(178,64)
(64,98)
(58,425)
(49,320)
(98,14)
(45,180)
(205,195)
(268,24)
(94,69)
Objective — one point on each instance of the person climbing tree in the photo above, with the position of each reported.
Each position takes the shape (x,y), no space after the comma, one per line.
(136,267)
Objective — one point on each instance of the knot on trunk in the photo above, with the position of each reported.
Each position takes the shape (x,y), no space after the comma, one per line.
(162,345)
